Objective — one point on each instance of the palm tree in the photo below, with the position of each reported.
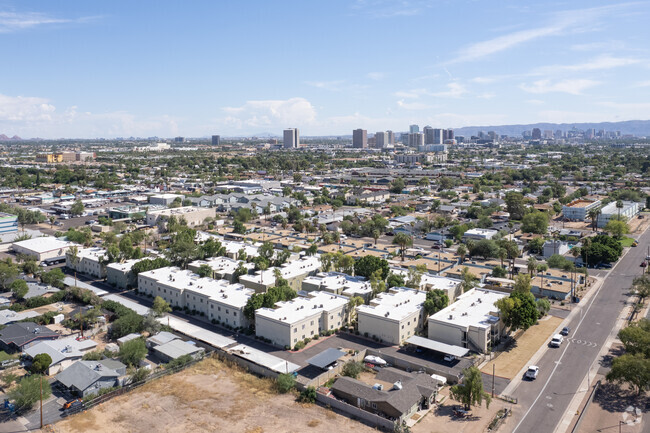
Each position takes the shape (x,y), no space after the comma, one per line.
(375,235)
(403,240)
(262,265)
(462,252)
(619,206)
(532,265)
(593,215)
(502,254)
(73,256)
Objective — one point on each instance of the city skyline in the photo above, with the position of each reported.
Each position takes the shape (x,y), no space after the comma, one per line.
(86,70)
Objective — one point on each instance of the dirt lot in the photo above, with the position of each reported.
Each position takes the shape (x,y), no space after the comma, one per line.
(208,397)
(511,361)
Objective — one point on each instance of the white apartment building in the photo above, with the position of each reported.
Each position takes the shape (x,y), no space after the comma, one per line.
(338,283)
(88,262)
(192,214)
(629,210)
(300,318)
(392,316)
(472,321)
(430,282)
(216,301)
(223,268)
(294,272)
(120,275)
(578,210)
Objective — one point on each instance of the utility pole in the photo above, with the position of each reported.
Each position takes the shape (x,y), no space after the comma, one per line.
(493,369)
(41,401)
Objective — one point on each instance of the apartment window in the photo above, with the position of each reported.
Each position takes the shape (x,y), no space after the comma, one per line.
(218,308)
(374,405)
(295,340)
(312,332)
(312,323)
(226,311)
(303,326)
(201,300)
(295,329)
(234,313)
(332,317)
(211,307)
(402,326)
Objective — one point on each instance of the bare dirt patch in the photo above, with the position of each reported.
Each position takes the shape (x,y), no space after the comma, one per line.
(210,396)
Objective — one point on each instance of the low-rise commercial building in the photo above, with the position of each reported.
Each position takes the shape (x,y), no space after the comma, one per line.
(303,317)
(8,223)
(164,199)
(223,268)
(392,316)
(194,216)
(472,321)
(45,247)
(120,275)
(629,210)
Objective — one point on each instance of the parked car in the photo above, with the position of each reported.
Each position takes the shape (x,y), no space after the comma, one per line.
(532,372)
(565,331)
(449,358)
(644,264)
(556,341)
(72,404)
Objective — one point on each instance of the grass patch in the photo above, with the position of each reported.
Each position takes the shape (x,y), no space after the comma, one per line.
(4,356)
(626,242)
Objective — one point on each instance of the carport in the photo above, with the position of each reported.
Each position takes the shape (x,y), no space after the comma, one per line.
(447,349)
(326,358)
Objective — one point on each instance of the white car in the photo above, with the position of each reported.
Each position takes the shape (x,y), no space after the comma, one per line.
(531,373)
(557,340)
(449,358)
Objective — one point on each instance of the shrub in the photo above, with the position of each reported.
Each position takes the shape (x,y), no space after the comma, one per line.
(299,345)
(308,395)
(285,383)
(352,369)
(179,362)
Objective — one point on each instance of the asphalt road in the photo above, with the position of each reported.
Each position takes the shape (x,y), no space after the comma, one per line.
(563,370)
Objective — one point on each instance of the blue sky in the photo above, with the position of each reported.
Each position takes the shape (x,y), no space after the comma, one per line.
(144,68)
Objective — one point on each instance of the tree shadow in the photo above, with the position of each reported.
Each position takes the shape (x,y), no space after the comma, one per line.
(613,398)
(614,352)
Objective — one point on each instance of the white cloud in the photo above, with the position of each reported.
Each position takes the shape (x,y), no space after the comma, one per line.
(270,113)
(411,94)
(486,95)
(14,21)
(390,8)
(30,116)
(642,84)
(559,24)
(601,62)
(455,90)
(376,76)
(334,85)
(413,105)
(573,87)
(535,101)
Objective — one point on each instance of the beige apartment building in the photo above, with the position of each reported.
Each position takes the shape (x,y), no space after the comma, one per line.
(392,316)
(303,317)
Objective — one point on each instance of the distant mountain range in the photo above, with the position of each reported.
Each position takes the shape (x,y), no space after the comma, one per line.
(5,138)
(635,127)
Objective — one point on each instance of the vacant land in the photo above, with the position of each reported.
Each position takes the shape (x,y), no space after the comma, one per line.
(210,396)
(514,359)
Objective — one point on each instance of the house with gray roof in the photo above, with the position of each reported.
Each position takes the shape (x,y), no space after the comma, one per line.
(399,396)
(84,378)
(174,349)
(19,336)
(64,352)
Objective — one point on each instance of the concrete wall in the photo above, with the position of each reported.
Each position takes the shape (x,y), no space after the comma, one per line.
(227,314)
(366,417)
(389,330)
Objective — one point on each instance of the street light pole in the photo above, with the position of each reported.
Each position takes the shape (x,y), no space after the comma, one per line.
(41,401)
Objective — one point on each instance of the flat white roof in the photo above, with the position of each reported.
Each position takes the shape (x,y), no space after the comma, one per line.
(140,309)
(302,307)
(124,266)
(196,332)
(289,270)
(178,211)
(94,253)
(430,281)
(449,349)
(44,244)
(221,291)
(472,308)
(222,264)
(259,357)
(335,281)
(396,304)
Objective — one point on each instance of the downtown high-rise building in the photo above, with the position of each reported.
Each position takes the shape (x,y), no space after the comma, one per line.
(433,135)
(381,139)
(536,134)
(360,139)
(447,134)
(414,129)
(291,138)
(416,139)
(391,137)
(216,140)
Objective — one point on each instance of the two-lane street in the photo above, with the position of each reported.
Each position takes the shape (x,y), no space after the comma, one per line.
(562,370)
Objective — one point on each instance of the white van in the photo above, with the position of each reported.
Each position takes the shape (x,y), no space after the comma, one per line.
(557,340)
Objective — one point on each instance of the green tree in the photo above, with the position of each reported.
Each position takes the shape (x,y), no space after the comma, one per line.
(531,263)
(41,363)
(522,284)
(485,248)
(435,301)
(285,383)
(536,246)
(126,324)
(633,369)
(352,369)
(308,395)
(462,252)
(641,287)
(160,306)
(515,205)
(617,228)
(395,280)
(133,351)
(470,391)
(397,186)
(468,279)
(77,208)
(636,337)
(535,222)
(204,271)
(19,288)
(8,273)
(403,240)
(499,272)
(367,265)
(53,278)
(28,392)
(518,311)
